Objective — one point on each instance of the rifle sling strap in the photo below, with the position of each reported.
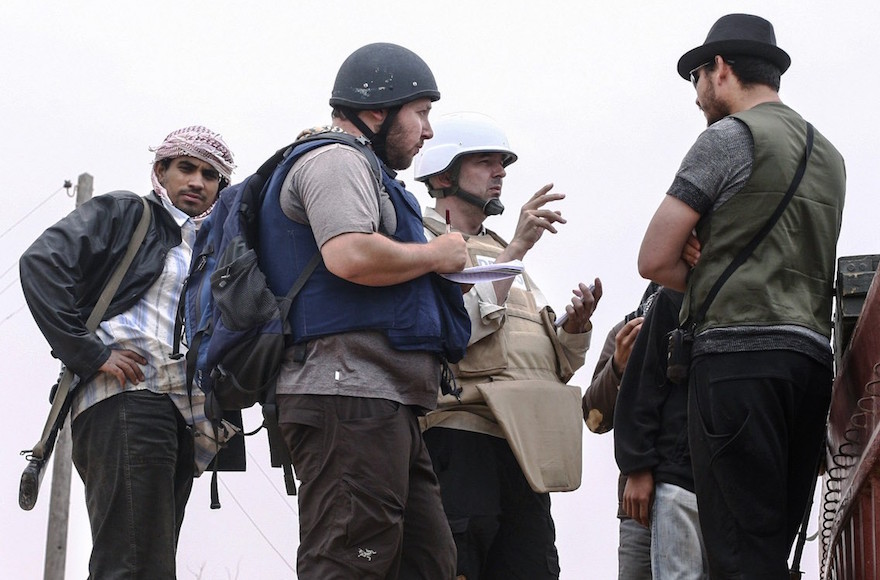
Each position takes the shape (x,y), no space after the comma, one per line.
(107,295)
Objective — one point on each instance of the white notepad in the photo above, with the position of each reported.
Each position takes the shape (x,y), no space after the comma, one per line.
(486,273)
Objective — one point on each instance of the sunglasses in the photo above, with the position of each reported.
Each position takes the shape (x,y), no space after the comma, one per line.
(695,73)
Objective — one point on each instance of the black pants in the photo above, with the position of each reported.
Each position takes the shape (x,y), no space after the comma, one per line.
(134,454)
(369,503)
(756,423)
(502,529)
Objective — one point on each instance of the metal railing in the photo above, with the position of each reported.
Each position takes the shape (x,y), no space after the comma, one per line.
(850,524)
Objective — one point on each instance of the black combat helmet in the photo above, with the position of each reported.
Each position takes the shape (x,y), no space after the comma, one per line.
(382,75)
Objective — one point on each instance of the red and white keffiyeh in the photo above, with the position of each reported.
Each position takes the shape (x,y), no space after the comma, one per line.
(199,142)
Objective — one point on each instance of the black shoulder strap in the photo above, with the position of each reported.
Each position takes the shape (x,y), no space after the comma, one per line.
(762,233)
(285,304)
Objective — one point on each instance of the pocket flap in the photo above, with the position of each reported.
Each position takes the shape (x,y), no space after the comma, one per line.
(543,424)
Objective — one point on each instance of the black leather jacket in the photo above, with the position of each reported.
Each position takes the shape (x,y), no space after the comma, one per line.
(65,269)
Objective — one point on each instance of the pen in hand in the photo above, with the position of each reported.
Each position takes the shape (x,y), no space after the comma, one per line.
(562,319)
(448,225)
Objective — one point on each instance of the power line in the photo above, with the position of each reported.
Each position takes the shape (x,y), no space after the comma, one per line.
(66,185)
(16,311)
(283,496)
(8,286)
(257,527)
(6,271)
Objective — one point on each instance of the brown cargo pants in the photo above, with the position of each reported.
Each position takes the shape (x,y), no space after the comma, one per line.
(369,502)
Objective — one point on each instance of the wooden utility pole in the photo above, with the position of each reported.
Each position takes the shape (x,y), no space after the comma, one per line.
(59,500)
(84,188)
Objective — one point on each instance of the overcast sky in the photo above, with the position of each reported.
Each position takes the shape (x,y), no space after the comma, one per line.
(587,91)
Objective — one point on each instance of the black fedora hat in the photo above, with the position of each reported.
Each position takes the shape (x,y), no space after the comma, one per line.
(736,34)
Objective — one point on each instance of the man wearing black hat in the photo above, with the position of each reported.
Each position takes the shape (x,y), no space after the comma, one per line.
(761,369)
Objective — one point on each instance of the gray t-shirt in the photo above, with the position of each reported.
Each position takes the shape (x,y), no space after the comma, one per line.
(333,190)
(715,169)
(717,166)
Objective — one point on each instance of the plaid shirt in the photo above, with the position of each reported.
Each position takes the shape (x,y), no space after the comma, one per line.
(148,329)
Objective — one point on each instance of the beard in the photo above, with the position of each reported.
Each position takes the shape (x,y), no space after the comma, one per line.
(397,155)
(713,108)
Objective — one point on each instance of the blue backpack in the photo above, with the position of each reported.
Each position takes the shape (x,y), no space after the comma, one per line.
(235,326)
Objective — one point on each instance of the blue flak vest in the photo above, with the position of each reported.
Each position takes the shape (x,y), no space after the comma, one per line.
(424,314)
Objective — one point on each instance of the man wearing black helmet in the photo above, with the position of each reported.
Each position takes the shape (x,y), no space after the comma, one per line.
(382,326)
(760,378)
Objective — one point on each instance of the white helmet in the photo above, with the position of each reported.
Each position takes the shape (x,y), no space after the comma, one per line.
(458,134)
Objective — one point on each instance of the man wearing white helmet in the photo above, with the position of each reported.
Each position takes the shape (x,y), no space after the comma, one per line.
(133,422)
(495,464)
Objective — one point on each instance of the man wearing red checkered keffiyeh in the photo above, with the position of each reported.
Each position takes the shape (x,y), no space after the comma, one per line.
(200,143)
(138,436)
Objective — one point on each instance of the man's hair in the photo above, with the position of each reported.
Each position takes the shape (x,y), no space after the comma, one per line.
(751,70)
(453,171)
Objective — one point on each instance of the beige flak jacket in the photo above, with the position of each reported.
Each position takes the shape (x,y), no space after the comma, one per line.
(514,376)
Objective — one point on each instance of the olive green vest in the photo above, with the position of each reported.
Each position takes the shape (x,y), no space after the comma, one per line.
(789,277)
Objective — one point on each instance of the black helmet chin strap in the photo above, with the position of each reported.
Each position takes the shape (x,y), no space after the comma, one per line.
(352,116)
(376,139)
(492,206)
